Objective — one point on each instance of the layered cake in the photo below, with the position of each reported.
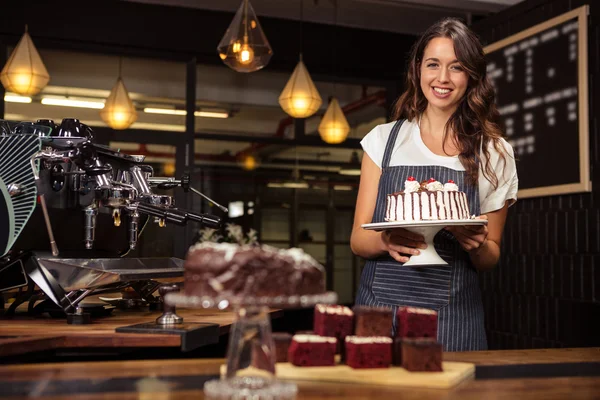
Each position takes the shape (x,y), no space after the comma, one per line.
(419,355)
(368,352)
(312,351)
(225,269)
(427,200)
(372,321)
(416,322)
(336,321)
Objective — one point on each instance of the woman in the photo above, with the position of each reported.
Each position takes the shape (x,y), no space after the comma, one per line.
(445,128)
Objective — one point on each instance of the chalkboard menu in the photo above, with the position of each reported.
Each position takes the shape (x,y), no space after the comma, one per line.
(540,77)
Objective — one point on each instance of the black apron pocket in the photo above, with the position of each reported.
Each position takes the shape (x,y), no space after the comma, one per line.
(397,285)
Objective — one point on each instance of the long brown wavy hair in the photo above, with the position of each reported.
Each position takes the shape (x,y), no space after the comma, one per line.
(475,121)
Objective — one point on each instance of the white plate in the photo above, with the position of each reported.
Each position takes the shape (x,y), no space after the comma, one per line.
(428,229)
(381,226)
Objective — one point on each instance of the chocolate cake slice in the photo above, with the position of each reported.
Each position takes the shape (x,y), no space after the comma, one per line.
(282,342)
(372,321)
(421,355)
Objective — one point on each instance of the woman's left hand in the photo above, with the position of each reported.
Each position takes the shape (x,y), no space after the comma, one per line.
(472,237)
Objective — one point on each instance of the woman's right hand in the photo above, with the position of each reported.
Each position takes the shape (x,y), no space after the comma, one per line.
(401,243)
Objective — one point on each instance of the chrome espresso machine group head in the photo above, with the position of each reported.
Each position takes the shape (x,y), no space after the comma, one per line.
(107,179)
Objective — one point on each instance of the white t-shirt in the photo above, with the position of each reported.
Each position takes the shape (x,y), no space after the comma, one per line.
(409,149)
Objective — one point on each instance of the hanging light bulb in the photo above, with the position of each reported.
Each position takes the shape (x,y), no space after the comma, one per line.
(334,127)
(24,72)
(248,161)
(119,111)
(244,47)
(246,55)
(300,97)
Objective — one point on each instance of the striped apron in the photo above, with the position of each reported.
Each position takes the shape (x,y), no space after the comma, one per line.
(452,290)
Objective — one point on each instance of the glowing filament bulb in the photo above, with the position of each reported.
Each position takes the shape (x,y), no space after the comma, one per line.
(246,54)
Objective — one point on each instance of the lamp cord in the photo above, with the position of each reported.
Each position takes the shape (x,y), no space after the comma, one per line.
(334,53)
(301,23)
(120,66)
(246,22)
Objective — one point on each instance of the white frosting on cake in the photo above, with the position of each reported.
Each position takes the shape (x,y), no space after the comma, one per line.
(368,339)
(453,208)
(338,310)
(411,186)
(417,310)
(450,187)
(440,204)
(434,210)
(408,215)
(399,207)
(416,206)
(230,249)
(434,186)
(425,206)
(427,203)
(313,339)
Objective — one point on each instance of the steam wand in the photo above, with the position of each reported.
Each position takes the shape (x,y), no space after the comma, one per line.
(184,182)
(42,197)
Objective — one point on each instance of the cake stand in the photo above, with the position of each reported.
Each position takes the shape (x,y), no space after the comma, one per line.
(250,368)
(428,229)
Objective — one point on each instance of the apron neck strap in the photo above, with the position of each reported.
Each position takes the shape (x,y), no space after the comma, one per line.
(389,147)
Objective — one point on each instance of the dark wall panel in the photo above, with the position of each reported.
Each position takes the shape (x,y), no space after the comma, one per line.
(546,290)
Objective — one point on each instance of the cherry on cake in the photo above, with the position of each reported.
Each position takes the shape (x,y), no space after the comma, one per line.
(226,269)
(312,351)
(414,322)
(333,320)
(368,352)
(426,201)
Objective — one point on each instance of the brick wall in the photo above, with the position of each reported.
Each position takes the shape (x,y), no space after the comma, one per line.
(546,290)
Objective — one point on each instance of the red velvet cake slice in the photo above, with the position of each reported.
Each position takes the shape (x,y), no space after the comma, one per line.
(421,355)
(372,321)
(368,352)
(312,351)
(416,322)
(333,321)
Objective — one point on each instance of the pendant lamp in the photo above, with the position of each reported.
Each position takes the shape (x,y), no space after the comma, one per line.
(334,127)
(244,47)
(119,111)
(300,97)
(24,72)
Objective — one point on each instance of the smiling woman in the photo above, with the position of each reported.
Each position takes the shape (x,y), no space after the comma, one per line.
(445,130)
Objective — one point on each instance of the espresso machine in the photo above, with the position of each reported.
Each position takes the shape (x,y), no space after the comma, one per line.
(70,212)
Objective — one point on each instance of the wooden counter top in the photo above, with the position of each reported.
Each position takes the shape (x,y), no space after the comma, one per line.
(23,334)
(184,379)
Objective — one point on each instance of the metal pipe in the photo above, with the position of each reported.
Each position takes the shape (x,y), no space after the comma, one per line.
(133,229)
(140,181)
(90,213)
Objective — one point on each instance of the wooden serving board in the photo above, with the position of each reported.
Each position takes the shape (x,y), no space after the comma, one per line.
(453,374)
